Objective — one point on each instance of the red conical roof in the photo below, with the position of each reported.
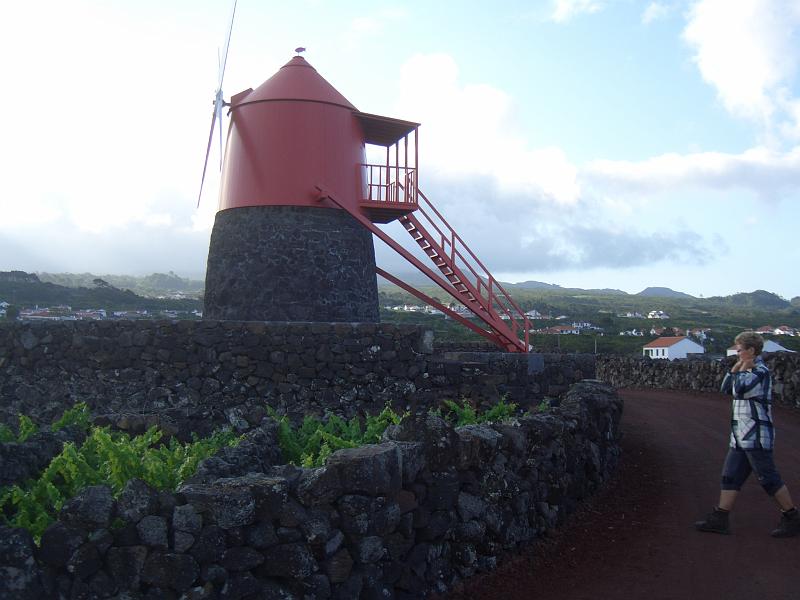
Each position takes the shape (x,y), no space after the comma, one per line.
(296,80)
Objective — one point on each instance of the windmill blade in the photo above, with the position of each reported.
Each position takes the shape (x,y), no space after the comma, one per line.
(208,151)
(218,111)
(219,102)
(224,60)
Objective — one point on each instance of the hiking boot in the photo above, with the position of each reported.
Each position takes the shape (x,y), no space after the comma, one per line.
(789,525)
(715,522)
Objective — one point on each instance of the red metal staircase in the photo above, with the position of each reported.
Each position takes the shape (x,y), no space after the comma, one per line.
(463,275)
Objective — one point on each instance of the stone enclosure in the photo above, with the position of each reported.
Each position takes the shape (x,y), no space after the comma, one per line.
(698,374)
(429,506)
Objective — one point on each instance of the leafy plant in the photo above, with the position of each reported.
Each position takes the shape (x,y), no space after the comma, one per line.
(310,444)
(466,414)
(105,458)
(77,415)
(26,429)
(6,434)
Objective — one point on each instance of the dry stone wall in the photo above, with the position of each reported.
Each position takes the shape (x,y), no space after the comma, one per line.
(198,375)
(698,374)
(431,505)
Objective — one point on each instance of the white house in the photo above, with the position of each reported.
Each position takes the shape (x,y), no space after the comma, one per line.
(657,314)
(671,348)
(769,346)
(630,315)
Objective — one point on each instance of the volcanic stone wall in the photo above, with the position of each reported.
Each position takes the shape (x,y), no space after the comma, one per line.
(431,505)
(198,375)
(698,374)
(290,263)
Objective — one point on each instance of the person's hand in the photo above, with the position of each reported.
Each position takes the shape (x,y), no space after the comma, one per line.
(737,366)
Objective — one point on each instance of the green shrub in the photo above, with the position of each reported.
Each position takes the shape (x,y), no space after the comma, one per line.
(310,444)
(466,414)
(105,458)
(77,415)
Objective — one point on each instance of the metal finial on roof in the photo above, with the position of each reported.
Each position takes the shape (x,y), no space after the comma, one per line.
(299,49)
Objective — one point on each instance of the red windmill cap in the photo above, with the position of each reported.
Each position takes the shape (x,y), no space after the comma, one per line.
(296,80)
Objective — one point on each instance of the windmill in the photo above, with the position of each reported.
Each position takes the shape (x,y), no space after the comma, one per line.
(219,102)
(299,206)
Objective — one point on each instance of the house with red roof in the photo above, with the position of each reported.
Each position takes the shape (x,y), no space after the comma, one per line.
(670,348)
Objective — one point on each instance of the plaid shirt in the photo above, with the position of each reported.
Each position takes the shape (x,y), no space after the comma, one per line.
(751,421)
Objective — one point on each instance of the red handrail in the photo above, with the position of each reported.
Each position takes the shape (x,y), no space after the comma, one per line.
(449,243)
(384,184)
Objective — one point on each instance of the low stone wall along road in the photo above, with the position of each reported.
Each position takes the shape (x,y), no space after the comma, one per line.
(636,540)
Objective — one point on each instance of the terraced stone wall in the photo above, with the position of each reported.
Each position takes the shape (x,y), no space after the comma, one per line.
(199,375)
(430,506)
(698,374)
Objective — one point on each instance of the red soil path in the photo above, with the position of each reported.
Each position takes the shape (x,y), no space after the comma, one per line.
(635,538)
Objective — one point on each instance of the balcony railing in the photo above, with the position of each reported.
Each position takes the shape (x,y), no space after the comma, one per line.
(391,184)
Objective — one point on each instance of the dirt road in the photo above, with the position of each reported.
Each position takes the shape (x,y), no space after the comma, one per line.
(636,540)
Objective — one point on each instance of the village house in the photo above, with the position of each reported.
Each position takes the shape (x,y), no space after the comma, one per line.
(769,346)
(657,314)
(632,332)
(630,315)
(671,348)
(782,330)
(95,314)
(560,330)
(581,325)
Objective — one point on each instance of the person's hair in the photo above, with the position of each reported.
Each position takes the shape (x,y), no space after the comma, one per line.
(750,339)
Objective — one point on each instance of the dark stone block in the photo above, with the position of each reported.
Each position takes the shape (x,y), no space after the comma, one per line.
(59,542)
(92,507)
(136,500)
(288,560)
(209,544)
(19,574)
(241,558)
(169,570)
(372,469)
(289,263)
(85,561)
(261,535)
(125,565)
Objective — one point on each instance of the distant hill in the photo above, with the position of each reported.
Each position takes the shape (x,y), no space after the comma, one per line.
(26,289)
(151,286)
(758,299)
(662,292)
(534,285)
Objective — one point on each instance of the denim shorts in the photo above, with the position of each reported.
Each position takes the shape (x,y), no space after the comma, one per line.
(740,463)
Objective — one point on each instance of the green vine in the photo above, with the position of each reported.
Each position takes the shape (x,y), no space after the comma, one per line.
(105,458)
(310,444)
(466,414)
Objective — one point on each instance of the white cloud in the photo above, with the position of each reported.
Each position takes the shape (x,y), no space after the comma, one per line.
(761,170)
(655,11)
(749,51)
(469,129)
(99,142)
(364,27)
(565,10)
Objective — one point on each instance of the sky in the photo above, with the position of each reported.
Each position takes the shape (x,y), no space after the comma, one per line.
(584,143)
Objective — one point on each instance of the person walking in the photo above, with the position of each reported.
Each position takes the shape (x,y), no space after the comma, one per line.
(751,441)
